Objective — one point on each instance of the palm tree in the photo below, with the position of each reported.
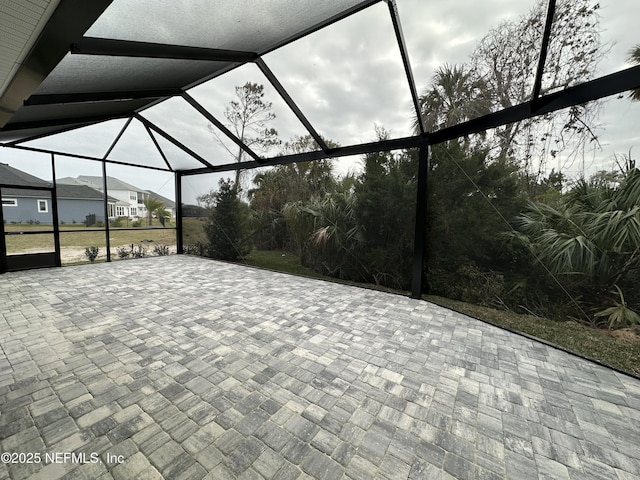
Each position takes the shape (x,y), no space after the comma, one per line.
(634,57)
(153,206)
(455,95)
(591,240)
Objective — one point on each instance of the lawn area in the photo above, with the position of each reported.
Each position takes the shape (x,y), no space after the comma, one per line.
(71,238)
(73,242)
(619,349)
(193,230)
(280,261)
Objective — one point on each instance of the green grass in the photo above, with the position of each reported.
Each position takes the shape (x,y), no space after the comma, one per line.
(193,230)
(280,261)
(96,237)
(594,343)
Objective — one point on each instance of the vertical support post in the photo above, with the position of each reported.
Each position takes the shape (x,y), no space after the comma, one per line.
(54,213)
(107,241)
(179,238)
(419,242)
(3,245)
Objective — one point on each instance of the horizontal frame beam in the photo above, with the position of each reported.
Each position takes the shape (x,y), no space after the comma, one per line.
(128,48)
(75,122)
(91,97)
(608,85)
(602,87)
(29,187)
(84,157)
(362,149)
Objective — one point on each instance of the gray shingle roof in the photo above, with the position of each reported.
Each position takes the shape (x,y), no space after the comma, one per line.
(13,176)
(112,183)
(167,203)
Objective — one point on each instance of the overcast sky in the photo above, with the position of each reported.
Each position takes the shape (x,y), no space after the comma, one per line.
(346,79)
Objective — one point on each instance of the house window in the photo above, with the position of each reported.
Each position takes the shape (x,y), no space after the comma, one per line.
(111,210)
(9,202)
(133,196)
(134,211)
(140,198)
(120,212)
(43,206)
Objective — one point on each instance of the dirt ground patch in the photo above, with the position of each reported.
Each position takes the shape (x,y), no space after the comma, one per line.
(628,334)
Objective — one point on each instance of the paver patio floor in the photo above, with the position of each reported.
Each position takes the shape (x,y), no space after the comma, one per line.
(182,367)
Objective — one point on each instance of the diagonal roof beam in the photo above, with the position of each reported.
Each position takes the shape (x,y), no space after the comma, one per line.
(62,98)
(206,114)
(537,85)
(168,137)
(320,25)
(155,142)
(128,48)
(292,105)
(117,139)
(397,27)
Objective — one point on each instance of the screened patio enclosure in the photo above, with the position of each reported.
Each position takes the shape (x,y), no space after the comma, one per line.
(95,88)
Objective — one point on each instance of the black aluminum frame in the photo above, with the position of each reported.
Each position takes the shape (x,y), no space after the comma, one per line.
(609,85)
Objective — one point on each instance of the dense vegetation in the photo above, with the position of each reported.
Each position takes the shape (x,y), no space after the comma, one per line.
(502,230)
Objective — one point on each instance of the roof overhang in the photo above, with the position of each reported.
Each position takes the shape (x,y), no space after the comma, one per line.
(34,52)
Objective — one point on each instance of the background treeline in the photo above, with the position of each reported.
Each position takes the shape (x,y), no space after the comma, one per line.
(503,229)
(494,236)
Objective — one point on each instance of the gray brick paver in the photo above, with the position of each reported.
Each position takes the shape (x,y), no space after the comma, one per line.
(191,378)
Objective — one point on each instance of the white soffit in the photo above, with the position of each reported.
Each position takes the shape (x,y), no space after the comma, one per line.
(21,22)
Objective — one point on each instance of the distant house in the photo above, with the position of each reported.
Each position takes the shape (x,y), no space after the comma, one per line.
(75,202)
(24,205)
(130,199)
(78,198)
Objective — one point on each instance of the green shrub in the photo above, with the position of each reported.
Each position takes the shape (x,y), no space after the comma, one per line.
(200,249)
(160,250)
(116,222)
(91,253)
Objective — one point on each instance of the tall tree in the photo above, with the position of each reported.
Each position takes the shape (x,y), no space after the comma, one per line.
(456,94)
(500,74)
(276,187)
(227,229)
(249,116)
(507,59)
(385,208)
(152,205)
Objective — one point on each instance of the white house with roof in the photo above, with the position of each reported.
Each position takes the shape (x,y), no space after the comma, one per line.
(130,199)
